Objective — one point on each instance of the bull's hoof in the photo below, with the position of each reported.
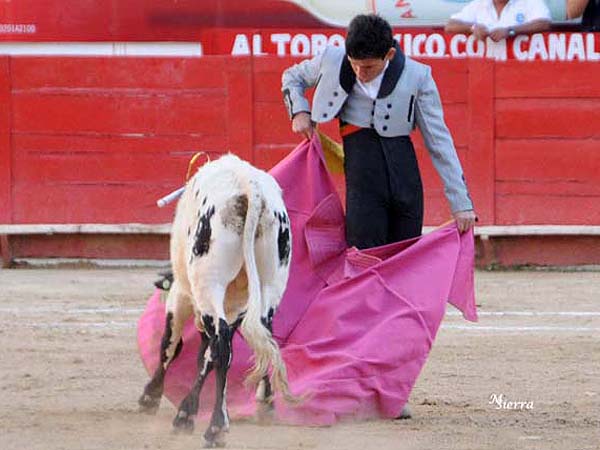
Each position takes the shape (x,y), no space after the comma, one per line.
(405,414)
(265,412)
(148,404)
(183,423)
(214,444)
(215,437)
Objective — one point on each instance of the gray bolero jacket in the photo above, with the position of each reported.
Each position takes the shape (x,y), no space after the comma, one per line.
(408,97)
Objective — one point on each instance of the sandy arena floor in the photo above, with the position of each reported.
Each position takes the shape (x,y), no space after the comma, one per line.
(70,373)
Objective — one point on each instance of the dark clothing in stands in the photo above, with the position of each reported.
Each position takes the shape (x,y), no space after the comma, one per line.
(591,16)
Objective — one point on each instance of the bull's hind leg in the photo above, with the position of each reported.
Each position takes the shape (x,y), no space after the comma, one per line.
(273,251)
(178,310)
(264,390)
(184,420)
(220,346)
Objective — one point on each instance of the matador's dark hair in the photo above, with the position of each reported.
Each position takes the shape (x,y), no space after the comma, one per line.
(369,36)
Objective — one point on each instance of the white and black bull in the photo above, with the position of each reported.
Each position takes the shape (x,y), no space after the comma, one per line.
(230,252)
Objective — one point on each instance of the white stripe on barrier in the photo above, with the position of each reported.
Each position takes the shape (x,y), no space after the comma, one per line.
(63,311)
(476,328)
(530,313)
(517,328)
(165,228)
(159,49)
(120,310)
(80,325)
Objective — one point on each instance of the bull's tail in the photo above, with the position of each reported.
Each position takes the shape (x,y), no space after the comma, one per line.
(256,334)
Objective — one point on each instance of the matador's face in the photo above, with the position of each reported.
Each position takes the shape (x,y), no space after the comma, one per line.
(367,69)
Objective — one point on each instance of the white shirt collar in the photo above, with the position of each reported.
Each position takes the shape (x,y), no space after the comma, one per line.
(371,88)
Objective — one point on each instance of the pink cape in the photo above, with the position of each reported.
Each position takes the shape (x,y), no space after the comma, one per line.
(355,327)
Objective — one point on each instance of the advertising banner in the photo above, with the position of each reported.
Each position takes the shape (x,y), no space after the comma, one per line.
(398,12)
(416,43)
(184,20)
(299,28)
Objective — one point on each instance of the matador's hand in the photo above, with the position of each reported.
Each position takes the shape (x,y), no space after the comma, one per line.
(464,219)
(302,124)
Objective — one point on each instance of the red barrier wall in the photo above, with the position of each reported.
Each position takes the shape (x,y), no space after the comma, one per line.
(98,140)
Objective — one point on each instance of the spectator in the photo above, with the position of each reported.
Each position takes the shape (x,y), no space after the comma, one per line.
(500,19)
(589,9)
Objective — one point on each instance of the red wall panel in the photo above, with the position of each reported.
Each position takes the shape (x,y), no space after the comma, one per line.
(136,73)
(116,202)
(86,140)
(479,160)
(547,140)
(100,139)
(556,209)
(548,160)
(238,114)
(547,80)
(37,157)
(5,144)
(451,78)
(114,112)
(548,118)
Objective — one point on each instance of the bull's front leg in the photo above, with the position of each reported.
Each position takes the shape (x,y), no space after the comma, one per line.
(184,420)
(221,353)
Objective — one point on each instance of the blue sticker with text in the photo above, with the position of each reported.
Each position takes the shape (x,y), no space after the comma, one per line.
(520,18)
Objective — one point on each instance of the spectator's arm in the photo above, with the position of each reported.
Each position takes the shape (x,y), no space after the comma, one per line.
(458,26)
(463,20)
(575,8)
(535,26)
(466,21)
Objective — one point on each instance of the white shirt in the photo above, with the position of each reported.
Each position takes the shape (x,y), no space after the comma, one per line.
(515,12)
(371,88)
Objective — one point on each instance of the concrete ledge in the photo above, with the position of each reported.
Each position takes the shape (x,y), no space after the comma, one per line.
(64,244)
(85,228)
(165,228)
(92,262)
(538,230)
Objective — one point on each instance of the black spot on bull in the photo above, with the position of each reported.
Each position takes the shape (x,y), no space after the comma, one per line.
(233,215)
(268,320)
(223,347)
(166,340)
(259,227)
(203,233)
(283,238)
(209,325)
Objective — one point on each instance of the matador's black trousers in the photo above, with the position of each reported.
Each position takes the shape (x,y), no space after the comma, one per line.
(384,193)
